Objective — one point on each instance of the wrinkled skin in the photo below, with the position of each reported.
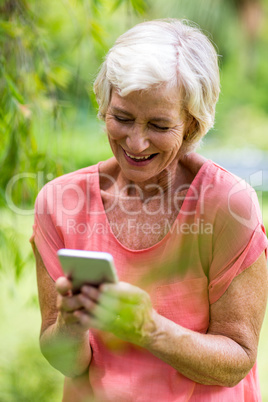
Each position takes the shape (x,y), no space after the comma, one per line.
(122,309)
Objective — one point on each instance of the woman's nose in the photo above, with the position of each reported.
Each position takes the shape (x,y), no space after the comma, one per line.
(137,140)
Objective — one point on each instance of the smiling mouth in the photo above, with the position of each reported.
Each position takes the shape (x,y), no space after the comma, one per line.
(139,158)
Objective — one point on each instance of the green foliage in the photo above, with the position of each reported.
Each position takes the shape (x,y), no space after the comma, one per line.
(25,79)
(48,53)
(29,378)
(12,246)
(25,375)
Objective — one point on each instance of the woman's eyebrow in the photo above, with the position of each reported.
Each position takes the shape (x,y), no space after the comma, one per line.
(116,109)
(119,110)
(162,119)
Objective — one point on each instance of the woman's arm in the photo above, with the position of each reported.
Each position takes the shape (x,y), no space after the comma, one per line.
(222,357)
(63,341)
(228,351)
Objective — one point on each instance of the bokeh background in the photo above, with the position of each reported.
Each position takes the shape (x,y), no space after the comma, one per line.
(50,52)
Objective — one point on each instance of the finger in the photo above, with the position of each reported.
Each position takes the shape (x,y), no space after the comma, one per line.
(123,291)
(70,317)
(108,301)
(63,286)
(111,303)
(96,310)
(88,321)
(91,292)
(69,303)
(88,304)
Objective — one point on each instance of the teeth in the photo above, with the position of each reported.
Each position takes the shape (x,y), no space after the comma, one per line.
(137,157)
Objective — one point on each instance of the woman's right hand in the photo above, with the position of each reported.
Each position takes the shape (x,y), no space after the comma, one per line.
(63,341)
(67,304)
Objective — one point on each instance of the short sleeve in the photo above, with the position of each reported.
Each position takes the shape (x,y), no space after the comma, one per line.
(239,236)
(46,235)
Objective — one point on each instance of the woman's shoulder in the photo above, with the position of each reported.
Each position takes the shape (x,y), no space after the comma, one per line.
(207,172)
(66,188)
(226,187)
(193,162)
(219,190)
(76,176)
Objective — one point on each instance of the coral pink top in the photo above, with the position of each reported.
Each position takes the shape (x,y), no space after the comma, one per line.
(217,234)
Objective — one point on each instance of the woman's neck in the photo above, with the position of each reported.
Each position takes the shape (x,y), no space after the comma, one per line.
(159,186)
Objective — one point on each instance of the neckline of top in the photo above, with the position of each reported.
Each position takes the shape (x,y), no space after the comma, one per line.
(187,197)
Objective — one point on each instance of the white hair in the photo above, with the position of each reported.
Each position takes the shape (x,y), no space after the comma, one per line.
(164,52)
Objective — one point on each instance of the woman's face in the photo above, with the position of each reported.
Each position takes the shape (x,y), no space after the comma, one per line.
(145,131)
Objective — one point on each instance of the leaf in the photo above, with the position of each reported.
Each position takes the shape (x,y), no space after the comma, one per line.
(140,6)
(13,89)
(97,32)
(116,5)
(10,29)
(60,76)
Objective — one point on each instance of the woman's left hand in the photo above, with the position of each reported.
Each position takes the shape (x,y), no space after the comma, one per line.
(122,309)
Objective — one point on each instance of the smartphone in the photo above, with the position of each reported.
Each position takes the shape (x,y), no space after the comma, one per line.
(87,267)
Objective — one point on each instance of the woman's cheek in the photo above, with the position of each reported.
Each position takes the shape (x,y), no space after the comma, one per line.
(167,141)
(115,130)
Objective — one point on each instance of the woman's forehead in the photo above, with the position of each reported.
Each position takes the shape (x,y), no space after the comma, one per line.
(160,100)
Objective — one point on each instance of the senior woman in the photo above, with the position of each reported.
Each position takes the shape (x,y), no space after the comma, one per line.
(183,322)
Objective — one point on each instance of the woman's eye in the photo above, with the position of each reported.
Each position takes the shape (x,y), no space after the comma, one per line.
(160,127)
(122,119)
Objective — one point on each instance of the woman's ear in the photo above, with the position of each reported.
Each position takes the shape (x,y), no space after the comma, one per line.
(190,128)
